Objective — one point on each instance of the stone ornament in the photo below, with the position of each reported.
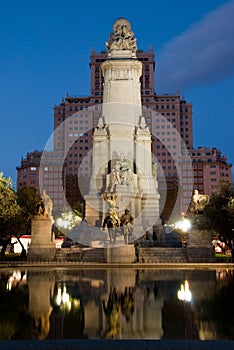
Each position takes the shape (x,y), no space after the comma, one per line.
(121,38)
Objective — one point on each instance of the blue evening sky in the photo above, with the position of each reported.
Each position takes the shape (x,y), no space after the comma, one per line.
(44,53)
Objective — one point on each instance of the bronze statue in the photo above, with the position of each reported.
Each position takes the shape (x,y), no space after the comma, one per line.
(112,219)
(126,226)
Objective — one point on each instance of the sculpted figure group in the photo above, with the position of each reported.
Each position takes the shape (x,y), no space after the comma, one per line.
(118,303)
(122,37)
(121,174)
(117,226)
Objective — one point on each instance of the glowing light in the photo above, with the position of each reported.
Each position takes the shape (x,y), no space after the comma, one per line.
(68,220)
(63,298)
(14,279)
(183,225)
(184,293)
(62,223)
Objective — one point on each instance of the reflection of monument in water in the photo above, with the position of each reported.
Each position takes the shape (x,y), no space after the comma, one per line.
(122,161)
(114,304)
(41,287)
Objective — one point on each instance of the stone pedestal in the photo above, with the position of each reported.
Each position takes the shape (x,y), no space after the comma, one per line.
(120,254)
(199,248)
(42,245)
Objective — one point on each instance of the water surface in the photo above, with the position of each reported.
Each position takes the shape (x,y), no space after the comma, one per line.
(116,304)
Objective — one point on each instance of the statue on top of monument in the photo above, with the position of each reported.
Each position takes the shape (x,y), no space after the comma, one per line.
(199,201)
(46,205)
(122,37)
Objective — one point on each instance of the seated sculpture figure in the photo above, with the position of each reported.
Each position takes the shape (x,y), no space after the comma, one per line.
(122,37)
(46,205)
(199,201)
(122,170)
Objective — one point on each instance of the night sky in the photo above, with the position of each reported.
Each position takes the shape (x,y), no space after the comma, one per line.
(45,47)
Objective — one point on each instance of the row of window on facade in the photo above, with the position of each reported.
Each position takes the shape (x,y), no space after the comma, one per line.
(78,148)
(146,114)
(81,108)
(82,170)
(78,162)
(166,140)
(200,179)
(77,135)
(58,203)
(61,131)
(72,141)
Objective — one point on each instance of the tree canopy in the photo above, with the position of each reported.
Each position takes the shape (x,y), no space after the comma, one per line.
(218,215)
(9,208)
(16,210)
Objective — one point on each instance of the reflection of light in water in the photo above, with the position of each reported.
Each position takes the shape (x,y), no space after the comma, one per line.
(14,279)
(96,283)
(222,274)
(63,297)
(184,292)
(64,300)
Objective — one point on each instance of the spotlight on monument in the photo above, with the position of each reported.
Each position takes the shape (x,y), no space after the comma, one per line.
(67,221)
(184,225)
(62,223)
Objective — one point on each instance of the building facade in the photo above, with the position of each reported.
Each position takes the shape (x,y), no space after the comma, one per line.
(64,173)
(209,168)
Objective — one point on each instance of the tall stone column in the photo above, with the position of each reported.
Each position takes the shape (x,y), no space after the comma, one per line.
(122,159)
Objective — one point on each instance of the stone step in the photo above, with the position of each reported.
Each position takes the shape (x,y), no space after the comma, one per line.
(158,255)
(80,254)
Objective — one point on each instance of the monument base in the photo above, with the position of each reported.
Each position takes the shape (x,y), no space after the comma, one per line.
(120,254)
(199,248)
(42,246)
(41,253)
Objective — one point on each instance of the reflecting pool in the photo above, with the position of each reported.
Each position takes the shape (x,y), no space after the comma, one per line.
(116,303)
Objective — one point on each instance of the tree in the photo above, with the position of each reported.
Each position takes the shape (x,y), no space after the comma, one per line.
(16,212)
(218,215)
(28,199)
(9,211)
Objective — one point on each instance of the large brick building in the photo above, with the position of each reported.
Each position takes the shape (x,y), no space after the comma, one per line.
(181,168)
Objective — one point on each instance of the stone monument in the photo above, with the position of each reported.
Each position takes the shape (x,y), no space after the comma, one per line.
(199,247)
(42,245)
(122,164)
